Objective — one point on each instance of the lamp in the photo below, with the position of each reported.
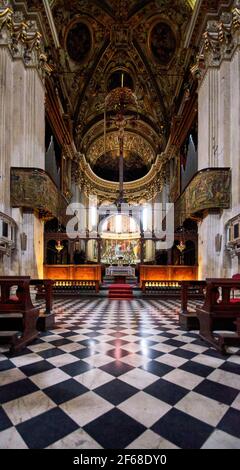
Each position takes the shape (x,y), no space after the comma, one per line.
(181,246)
(59,246)
(119,101)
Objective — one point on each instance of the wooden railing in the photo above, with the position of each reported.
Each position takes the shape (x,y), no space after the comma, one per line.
(75,287)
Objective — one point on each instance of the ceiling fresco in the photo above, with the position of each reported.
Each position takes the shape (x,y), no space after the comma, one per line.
(102,41)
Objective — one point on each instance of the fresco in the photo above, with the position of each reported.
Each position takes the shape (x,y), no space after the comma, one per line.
(209,189)
(79,42)
(162,43)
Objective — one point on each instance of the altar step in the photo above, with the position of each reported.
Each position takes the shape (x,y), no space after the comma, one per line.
(108,280)
(120,291)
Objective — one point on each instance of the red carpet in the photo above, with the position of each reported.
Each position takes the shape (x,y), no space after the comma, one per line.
(120,291)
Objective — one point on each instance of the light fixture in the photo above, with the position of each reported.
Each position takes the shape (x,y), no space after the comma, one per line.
(59,246)
(121,104)
(181,247)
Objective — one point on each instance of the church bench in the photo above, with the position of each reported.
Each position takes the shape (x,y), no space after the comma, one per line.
(193,290)
(20,307)
(44,287)
(220,313)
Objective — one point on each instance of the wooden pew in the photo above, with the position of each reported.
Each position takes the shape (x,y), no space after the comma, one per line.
(46,320)
(220,313)
(190,290)
(22,306)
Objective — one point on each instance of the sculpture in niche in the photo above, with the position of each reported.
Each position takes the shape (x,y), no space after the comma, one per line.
(79,42)
(162,43)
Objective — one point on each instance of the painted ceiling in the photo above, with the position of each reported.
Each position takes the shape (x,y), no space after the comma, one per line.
(101,40)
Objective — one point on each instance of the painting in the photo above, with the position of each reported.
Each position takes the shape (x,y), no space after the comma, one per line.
(162,43)
(79,42)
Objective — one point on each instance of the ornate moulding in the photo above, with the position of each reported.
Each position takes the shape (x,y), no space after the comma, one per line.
(32,188)
(141,190)
(219,41)
(209,189)
(21,36)
(233,236)
(132,142)
(8,228)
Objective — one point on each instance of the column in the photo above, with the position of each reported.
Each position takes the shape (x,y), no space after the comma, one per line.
(6,126)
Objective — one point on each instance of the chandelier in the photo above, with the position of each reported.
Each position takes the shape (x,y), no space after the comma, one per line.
(120,103)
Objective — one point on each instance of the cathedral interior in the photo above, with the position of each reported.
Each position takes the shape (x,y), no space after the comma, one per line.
(119,224)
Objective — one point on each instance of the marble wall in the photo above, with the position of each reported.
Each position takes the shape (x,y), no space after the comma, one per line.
(219,146)
(22,142)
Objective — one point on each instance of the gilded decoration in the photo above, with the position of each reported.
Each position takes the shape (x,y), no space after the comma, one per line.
(210,189)
(23,39)
(143,189)
(219,40)
(34,189)
(132,143)
(121,41)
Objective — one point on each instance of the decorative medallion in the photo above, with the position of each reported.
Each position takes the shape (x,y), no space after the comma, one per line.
(79,42)
(162,43)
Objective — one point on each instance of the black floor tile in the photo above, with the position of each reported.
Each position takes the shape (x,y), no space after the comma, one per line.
(229,367)
(60,342)
(76,368)
(83,353)
(114,430)
(230,423)
(16,390)
(183,430)
(50,353)
(6,365)
(196,368)
(175,343)
(117,353)
(116,368)
(65,391)
(151,353)
(217,391)
(166,391)
(157,368)
(46,429)
(184,353)
(36,368)
(4,420)
(116,391)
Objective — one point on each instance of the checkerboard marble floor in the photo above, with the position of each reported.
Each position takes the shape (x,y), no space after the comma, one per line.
(119,374)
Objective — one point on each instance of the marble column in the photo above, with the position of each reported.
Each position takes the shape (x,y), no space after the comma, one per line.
(6,125)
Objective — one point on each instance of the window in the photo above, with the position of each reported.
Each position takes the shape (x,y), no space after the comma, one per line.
(5,229)
(236,231)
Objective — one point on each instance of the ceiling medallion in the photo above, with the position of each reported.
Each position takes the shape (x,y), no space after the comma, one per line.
(162,43)
(79,41)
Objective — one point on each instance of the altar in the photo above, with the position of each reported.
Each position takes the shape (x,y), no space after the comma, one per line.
(125,271)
